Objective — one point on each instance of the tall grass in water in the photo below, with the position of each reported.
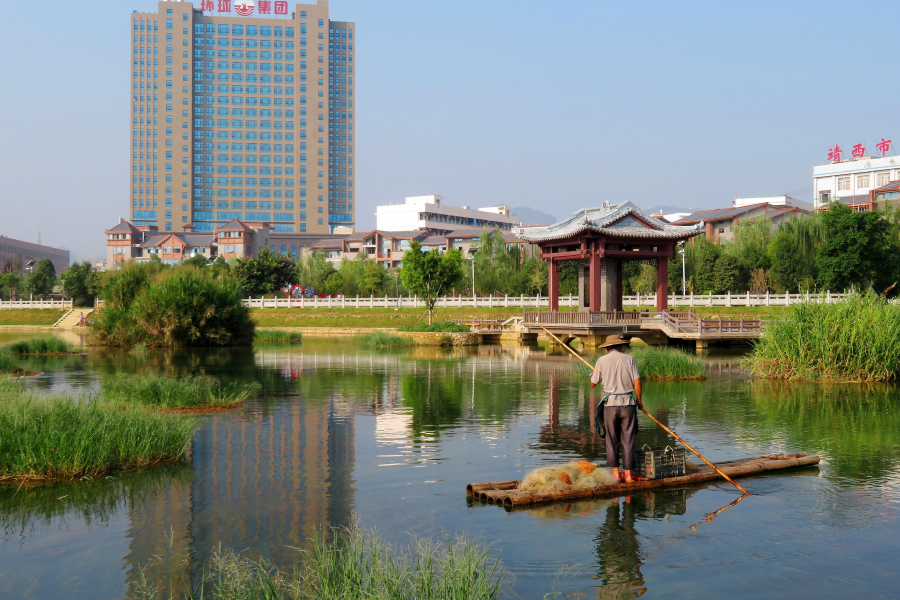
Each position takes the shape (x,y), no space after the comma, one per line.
(154,390)
(853,340)
(48,345)
(67,438)
(8,363)
(348,564)
(277,336)
(383,339)
(659,363)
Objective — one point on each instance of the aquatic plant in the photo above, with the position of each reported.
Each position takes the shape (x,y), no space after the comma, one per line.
(42,345)
(659,363)
(383,339)
(154,390)
(852,340)
(8,363)
(68,438)
(444,327)
(348,563)
(171,307)
(277,336)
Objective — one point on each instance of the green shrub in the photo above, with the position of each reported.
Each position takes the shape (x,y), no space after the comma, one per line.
(277,336)
(347,564)
(68,438)
(659,363)
(47,345)
(154,390)
(382,339)
(171,307)
(445,327)
(851,340)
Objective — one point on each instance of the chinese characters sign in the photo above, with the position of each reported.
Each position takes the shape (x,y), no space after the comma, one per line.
(859,151)
(245,8)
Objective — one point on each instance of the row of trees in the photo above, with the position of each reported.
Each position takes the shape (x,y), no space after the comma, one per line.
(76,282)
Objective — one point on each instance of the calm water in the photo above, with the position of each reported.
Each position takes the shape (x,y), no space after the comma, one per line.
(396,436)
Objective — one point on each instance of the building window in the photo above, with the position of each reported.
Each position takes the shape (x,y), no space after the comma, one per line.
(843,183)
(884,178)
(862,181)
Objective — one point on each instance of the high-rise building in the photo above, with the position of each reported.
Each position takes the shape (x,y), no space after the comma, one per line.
(242,110)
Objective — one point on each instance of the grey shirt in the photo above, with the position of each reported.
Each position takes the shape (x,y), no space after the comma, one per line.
(617,371)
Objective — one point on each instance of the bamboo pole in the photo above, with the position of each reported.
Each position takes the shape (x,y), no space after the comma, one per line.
(672,433)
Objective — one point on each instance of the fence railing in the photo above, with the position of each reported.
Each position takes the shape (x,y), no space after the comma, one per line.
(570,301)
(13,304)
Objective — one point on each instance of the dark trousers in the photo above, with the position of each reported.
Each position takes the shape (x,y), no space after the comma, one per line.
(620,423)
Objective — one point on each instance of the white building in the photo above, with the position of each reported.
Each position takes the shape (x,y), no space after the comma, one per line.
(430,213)
(850,181)
(785,201)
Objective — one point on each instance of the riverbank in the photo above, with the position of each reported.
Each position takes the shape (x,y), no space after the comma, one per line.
(380,318)
(30,317)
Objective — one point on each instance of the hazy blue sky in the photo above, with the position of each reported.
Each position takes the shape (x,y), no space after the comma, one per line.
(555,106)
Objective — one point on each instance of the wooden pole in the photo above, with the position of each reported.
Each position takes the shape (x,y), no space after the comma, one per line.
(672,433)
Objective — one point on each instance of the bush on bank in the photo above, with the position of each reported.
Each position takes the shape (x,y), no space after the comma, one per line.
(445,327)
(69,438)
(852,340)
(170,307)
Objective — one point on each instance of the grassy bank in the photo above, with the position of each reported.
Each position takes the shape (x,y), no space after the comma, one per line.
(347,564)
(395,318)
(854,340)
(155,391)
(277,337)
(659,363)
(44,345)
(67,438)
(438,327)
(36,316)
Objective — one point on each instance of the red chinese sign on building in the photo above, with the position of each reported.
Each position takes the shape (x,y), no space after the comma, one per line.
(858,151)
(245,8)
(884,145)
(834,154)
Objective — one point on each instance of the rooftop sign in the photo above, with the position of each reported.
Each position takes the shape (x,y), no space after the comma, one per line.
(834,154)
(245,8)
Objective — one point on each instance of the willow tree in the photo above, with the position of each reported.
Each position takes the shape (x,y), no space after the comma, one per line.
(430,274)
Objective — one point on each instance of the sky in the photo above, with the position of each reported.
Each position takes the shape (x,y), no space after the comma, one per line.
(554,106)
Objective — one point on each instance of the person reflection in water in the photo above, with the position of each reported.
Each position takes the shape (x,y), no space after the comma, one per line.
(619,553)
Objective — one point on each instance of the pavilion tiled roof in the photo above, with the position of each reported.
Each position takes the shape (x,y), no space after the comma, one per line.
(613,220)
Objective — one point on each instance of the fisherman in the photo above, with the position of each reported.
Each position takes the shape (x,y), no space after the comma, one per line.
(618,408)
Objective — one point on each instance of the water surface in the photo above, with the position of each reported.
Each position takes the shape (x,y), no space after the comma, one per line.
(394,436)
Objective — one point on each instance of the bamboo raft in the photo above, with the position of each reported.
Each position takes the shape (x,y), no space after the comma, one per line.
(505,493)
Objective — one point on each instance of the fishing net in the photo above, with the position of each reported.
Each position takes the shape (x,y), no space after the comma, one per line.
(573,475)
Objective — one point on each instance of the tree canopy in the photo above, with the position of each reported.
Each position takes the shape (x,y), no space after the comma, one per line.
(42,278)
(431,274)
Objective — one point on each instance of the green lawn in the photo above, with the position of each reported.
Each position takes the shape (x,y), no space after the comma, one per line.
(29,316)
(390,317)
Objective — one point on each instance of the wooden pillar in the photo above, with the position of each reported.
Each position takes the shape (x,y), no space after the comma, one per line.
(595,277)
(620,290)
(554,285)
(662,284)
(582,287)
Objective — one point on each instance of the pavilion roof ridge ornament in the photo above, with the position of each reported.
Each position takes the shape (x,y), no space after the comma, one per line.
(625,219)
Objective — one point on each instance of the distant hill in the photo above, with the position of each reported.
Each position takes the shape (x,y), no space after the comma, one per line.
(530,216)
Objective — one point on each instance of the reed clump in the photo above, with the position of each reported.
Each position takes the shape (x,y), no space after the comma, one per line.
(854,340)
(383,339)
(171,307)
(64,438)
(660,363)
(157,391)
(277,336)
(348,564)
(8,363)
(42,345)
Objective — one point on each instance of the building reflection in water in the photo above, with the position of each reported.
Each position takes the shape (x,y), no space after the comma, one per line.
(261,482)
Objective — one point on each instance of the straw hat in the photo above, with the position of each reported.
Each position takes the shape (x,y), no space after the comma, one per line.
(614,340)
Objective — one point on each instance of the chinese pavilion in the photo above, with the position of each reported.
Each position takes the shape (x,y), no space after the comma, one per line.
(601,240)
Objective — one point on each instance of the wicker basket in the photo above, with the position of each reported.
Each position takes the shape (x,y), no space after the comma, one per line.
(659,463)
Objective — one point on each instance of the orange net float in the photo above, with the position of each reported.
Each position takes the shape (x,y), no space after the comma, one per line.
(565,478)
(587,467)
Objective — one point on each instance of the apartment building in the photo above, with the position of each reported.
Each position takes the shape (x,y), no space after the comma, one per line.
(850,181)
(242,110)
(431,213)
